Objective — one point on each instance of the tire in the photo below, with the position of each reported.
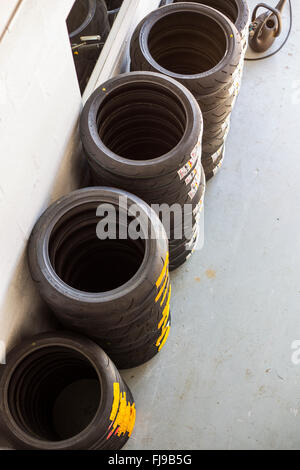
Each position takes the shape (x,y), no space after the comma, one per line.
(87,18)
(211,100)
(236,10)
(173,38)
(113,290)
(182,249)
(166,92)
(212,146)
(162,23)
(181,197)
(213,168)
(218,114)
(142,132)
(185,254)
(61,391)
(212,160)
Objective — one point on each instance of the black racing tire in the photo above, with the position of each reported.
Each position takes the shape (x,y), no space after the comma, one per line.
(117,107)
(100,287)
(142,132)
(87,18)
(61,391)
(192,198)
(183,246)
(212,146)
(146,188)
(218,113)
(211,165)
(171,39)
(213,130)
(236,10)
(212,133)
(149,189)
(209,102)
(184,254)
(213,168)
(180,249)
(212,159)
(148,350)
(215,123)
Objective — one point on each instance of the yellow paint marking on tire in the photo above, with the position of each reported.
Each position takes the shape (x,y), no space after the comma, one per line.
(125,418)
(163,287)
(131,420)
(166,310)
(165,338)
(162,275)
(165,315)
(164,329)
(164,296)
(116,401)
(122,415)
(163,326)
(166,321)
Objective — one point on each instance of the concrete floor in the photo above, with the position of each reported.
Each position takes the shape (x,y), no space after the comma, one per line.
(225,379)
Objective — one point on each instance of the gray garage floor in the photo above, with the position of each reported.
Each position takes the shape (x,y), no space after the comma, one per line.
(225,379)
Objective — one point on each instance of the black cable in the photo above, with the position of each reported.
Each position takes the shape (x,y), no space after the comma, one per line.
(281,46)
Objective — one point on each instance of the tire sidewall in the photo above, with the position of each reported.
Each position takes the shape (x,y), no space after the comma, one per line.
(73,303)
(99,155)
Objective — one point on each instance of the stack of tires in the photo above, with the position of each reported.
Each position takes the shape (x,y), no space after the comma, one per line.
(60,391)
(87,18)
(99,278)
(100,257)
(142,132)
(238,12)
(201,48)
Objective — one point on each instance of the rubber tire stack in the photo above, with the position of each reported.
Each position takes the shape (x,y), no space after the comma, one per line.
(142,132)
(87,18)
(117,292)
(34,416)
(238,12)
(171,40)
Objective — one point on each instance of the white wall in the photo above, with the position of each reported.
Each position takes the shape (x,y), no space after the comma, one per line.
(39,108)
